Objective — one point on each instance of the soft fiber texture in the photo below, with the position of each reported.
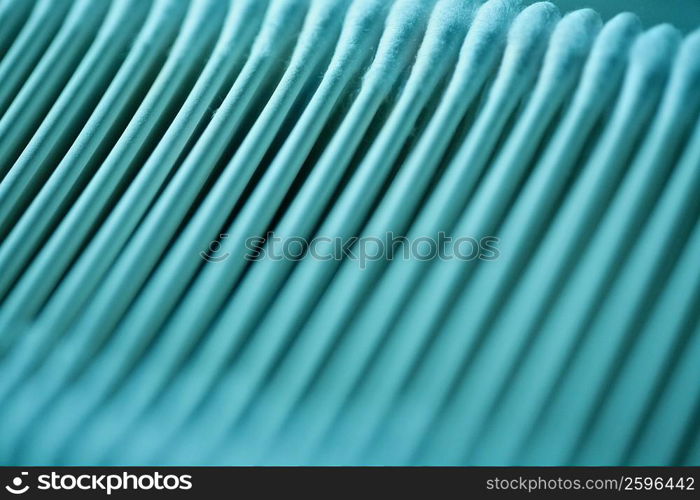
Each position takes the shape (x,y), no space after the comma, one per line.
(176,175)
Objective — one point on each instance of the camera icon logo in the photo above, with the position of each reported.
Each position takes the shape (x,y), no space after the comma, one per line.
(16,487)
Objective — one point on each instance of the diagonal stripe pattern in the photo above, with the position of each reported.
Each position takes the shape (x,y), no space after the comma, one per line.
(175,176)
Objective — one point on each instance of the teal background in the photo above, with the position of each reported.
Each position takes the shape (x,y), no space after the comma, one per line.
(684,14)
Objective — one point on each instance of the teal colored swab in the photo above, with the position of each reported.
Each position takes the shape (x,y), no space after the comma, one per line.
(388,49)
(178,68)
(629,303)
(34,347)
(233,378)
(405,26)
(13,15)
(304,213)
(292,376)
(566,54)
(489,348)
(577,216)
(443,37)
(652,361)
(78,286)
(478,305)
(228,233)
(45,272)
(40,279)
(115,359)
(204,297)
(521,229)
(607,251)
(479,53)
(271,47)
(168,354)
(315,42)
(673,421)
(161,363)
(89,80)
(33,100)
(47,268)
(518,232)
(45,20)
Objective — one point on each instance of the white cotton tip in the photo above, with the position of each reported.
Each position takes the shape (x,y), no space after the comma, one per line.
(529,35)
(447,27)
(363,17)
(571,43)
(449,17)
(277,21)
(322,20)
(487,33)
(321,14)
(620,30)
(532,22)
(653,52)
(405,18)
(493,19)
(403,32)
(688,64)
(612,45)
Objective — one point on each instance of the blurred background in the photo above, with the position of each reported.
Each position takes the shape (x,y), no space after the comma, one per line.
(684,14)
